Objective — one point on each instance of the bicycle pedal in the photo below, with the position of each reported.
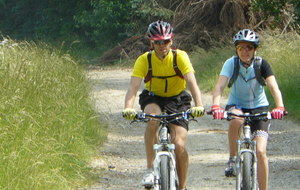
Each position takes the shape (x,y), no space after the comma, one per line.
(148,186)
(229,173)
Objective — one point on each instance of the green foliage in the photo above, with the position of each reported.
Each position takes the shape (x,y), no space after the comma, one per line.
(106,21)
(149,11)
(212,61)
(270,7)
(39,19)
(92,23)
(281,51)
(115,20)
(296,4)
(48,129)
(275,8)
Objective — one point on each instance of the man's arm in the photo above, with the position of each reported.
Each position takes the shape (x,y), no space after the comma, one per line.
(134,85)
(194,88)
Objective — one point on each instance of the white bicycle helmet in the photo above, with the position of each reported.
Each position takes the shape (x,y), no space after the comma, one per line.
(160,30)
(246,35)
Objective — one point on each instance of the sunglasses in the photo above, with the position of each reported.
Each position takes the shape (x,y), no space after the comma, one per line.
(161,42)
(247,48)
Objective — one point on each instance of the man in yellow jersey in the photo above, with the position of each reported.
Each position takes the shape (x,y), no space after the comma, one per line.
(165,72)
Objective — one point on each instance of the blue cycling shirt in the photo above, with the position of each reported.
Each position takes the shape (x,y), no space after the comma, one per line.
(246,92)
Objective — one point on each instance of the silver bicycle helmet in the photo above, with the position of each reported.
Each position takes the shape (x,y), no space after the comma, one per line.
(160,30)
(246,35)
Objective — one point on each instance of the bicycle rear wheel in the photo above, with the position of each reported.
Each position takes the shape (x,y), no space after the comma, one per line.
(164,172)
(247,171)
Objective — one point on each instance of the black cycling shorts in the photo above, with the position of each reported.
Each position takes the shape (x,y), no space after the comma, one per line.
(256,125)
(174,104)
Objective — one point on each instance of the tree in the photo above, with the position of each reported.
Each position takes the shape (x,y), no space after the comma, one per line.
(283,12)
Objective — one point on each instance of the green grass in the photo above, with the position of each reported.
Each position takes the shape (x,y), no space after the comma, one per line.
(48,129)
(208,65)
(281,51)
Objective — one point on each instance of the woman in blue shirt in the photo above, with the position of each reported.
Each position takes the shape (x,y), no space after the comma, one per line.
(247,95)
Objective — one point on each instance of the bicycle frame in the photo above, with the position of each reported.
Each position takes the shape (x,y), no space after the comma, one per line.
(243,146)
(164,148)
(246,152)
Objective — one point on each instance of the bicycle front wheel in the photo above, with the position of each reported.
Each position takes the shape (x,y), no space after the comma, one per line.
(247,171)
(164,172)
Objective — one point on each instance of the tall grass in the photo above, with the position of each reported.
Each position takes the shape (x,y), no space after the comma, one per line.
(282,51)
(208,65)
(47,127)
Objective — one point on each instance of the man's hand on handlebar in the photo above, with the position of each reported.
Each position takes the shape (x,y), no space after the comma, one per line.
(129,113)
(197,111)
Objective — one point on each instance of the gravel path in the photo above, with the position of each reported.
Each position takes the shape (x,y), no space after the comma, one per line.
(122,158)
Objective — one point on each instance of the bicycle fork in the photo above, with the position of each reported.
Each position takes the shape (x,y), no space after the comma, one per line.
(240,151)
(156,165)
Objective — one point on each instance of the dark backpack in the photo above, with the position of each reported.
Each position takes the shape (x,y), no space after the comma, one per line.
(149,75)
(257,70)
(176,69)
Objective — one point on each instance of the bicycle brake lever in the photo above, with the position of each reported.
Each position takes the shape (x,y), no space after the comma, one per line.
(193,119)
(133,121)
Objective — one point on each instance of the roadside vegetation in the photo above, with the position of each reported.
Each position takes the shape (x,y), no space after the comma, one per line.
(280,50)
(91,27)
(48,128)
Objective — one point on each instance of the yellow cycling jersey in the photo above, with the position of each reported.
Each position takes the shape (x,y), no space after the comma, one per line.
(160,87)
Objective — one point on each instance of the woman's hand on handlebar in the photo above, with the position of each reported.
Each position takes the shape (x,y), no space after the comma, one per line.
(217,112)
(278,113)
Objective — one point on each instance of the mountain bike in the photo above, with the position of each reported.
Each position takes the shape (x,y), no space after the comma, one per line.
(164,165)
(246,160)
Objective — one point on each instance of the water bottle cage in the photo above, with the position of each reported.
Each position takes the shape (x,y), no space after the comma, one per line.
(247,132)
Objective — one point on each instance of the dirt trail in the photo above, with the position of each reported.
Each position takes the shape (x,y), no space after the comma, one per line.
(122,158)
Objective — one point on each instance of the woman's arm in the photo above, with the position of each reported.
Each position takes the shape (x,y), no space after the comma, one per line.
(274,89)
(219,88)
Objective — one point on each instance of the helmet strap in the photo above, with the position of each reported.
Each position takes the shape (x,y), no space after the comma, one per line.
(246,64)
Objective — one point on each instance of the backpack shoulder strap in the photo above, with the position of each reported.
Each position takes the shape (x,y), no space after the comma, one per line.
(176,69)
(257,70)
(149,74)
(236,70)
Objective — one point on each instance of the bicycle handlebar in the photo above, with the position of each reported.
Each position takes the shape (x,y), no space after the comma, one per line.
(164,117)
(257,116)
(265,115)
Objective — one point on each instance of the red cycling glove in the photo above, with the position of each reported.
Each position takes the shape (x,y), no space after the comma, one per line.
(277,113)
(217,112)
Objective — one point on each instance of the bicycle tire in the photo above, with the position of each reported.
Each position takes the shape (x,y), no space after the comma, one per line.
(247,171)
(164,172)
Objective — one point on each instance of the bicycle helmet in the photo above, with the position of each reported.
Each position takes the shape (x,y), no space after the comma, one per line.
(246,35)
(160,30)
